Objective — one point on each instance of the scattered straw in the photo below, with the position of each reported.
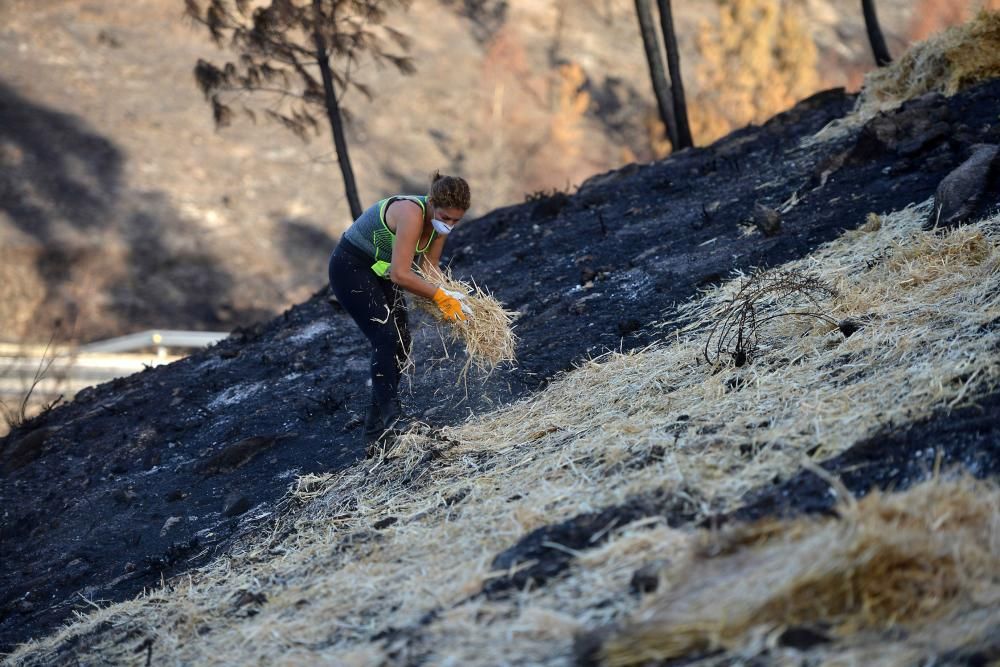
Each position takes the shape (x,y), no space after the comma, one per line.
(487,332)
(392,559)
(310,486)
(947,62)
(891,560)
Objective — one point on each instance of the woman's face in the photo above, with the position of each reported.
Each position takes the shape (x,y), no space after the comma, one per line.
(449,216)
(445,219)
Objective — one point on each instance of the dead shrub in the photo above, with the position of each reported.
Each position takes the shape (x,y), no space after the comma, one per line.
(764,296)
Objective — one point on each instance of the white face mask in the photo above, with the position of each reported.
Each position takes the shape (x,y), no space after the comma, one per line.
(442,228)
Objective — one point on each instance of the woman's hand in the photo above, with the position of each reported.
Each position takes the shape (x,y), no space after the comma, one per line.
(450,304)
(460,296)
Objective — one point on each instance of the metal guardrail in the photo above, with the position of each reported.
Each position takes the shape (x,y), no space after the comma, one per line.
(160,338)
(68,369)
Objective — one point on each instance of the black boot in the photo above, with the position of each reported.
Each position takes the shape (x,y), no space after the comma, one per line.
(393,423)
(393,418)
(373,419)
(373,428)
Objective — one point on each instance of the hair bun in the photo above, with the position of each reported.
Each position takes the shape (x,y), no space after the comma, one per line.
(449,191)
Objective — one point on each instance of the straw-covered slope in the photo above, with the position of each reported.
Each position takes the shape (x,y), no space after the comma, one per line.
(150,475)
(574,520)
(395,560)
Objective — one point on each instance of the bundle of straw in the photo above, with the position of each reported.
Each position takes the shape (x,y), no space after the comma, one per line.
(487,332)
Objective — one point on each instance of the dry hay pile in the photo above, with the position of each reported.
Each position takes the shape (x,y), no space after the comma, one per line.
(947,62)
(487,331)
(385,563)
(905,561)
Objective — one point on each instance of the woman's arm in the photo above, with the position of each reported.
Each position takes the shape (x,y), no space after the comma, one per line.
(433,255)
(409,224)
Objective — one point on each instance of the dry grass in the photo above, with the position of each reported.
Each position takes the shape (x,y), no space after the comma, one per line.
(950,61)
(946,63)
(734,334)
(487,333)
(756,59)
(384,562)
(891,561)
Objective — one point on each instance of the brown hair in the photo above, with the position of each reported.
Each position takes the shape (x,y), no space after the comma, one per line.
(449,192)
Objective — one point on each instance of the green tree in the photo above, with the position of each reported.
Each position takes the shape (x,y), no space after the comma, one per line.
(297,58)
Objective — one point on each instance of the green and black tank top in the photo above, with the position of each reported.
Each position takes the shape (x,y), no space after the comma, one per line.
(372,236)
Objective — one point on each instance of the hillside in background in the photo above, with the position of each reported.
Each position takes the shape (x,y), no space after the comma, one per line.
(563,510)
(122,208)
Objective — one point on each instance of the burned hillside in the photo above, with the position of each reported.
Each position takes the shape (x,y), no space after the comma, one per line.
(572,474)
(121,208)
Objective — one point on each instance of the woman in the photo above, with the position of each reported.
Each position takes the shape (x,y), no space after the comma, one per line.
(371,266)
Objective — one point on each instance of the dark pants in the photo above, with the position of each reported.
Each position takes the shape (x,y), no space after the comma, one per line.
(378,307)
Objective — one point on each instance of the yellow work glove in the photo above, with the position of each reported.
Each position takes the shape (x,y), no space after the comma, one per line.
(451,308)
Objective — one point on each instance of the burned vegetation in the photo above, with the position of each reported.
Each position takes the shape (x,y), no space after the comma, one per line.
(790,466)
(763,297)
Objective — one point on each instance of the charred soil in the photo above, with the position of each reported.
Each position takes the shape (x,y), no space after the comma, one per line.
(151,475)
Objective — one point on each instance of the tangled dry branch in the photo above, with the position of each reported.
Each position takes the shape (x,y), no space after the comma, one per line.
(764,296)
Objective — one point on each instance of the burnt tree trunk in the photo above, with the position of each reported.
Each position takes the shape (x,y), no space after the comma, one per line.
(336,119)
(661,89)
(875,38)
(676,81)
